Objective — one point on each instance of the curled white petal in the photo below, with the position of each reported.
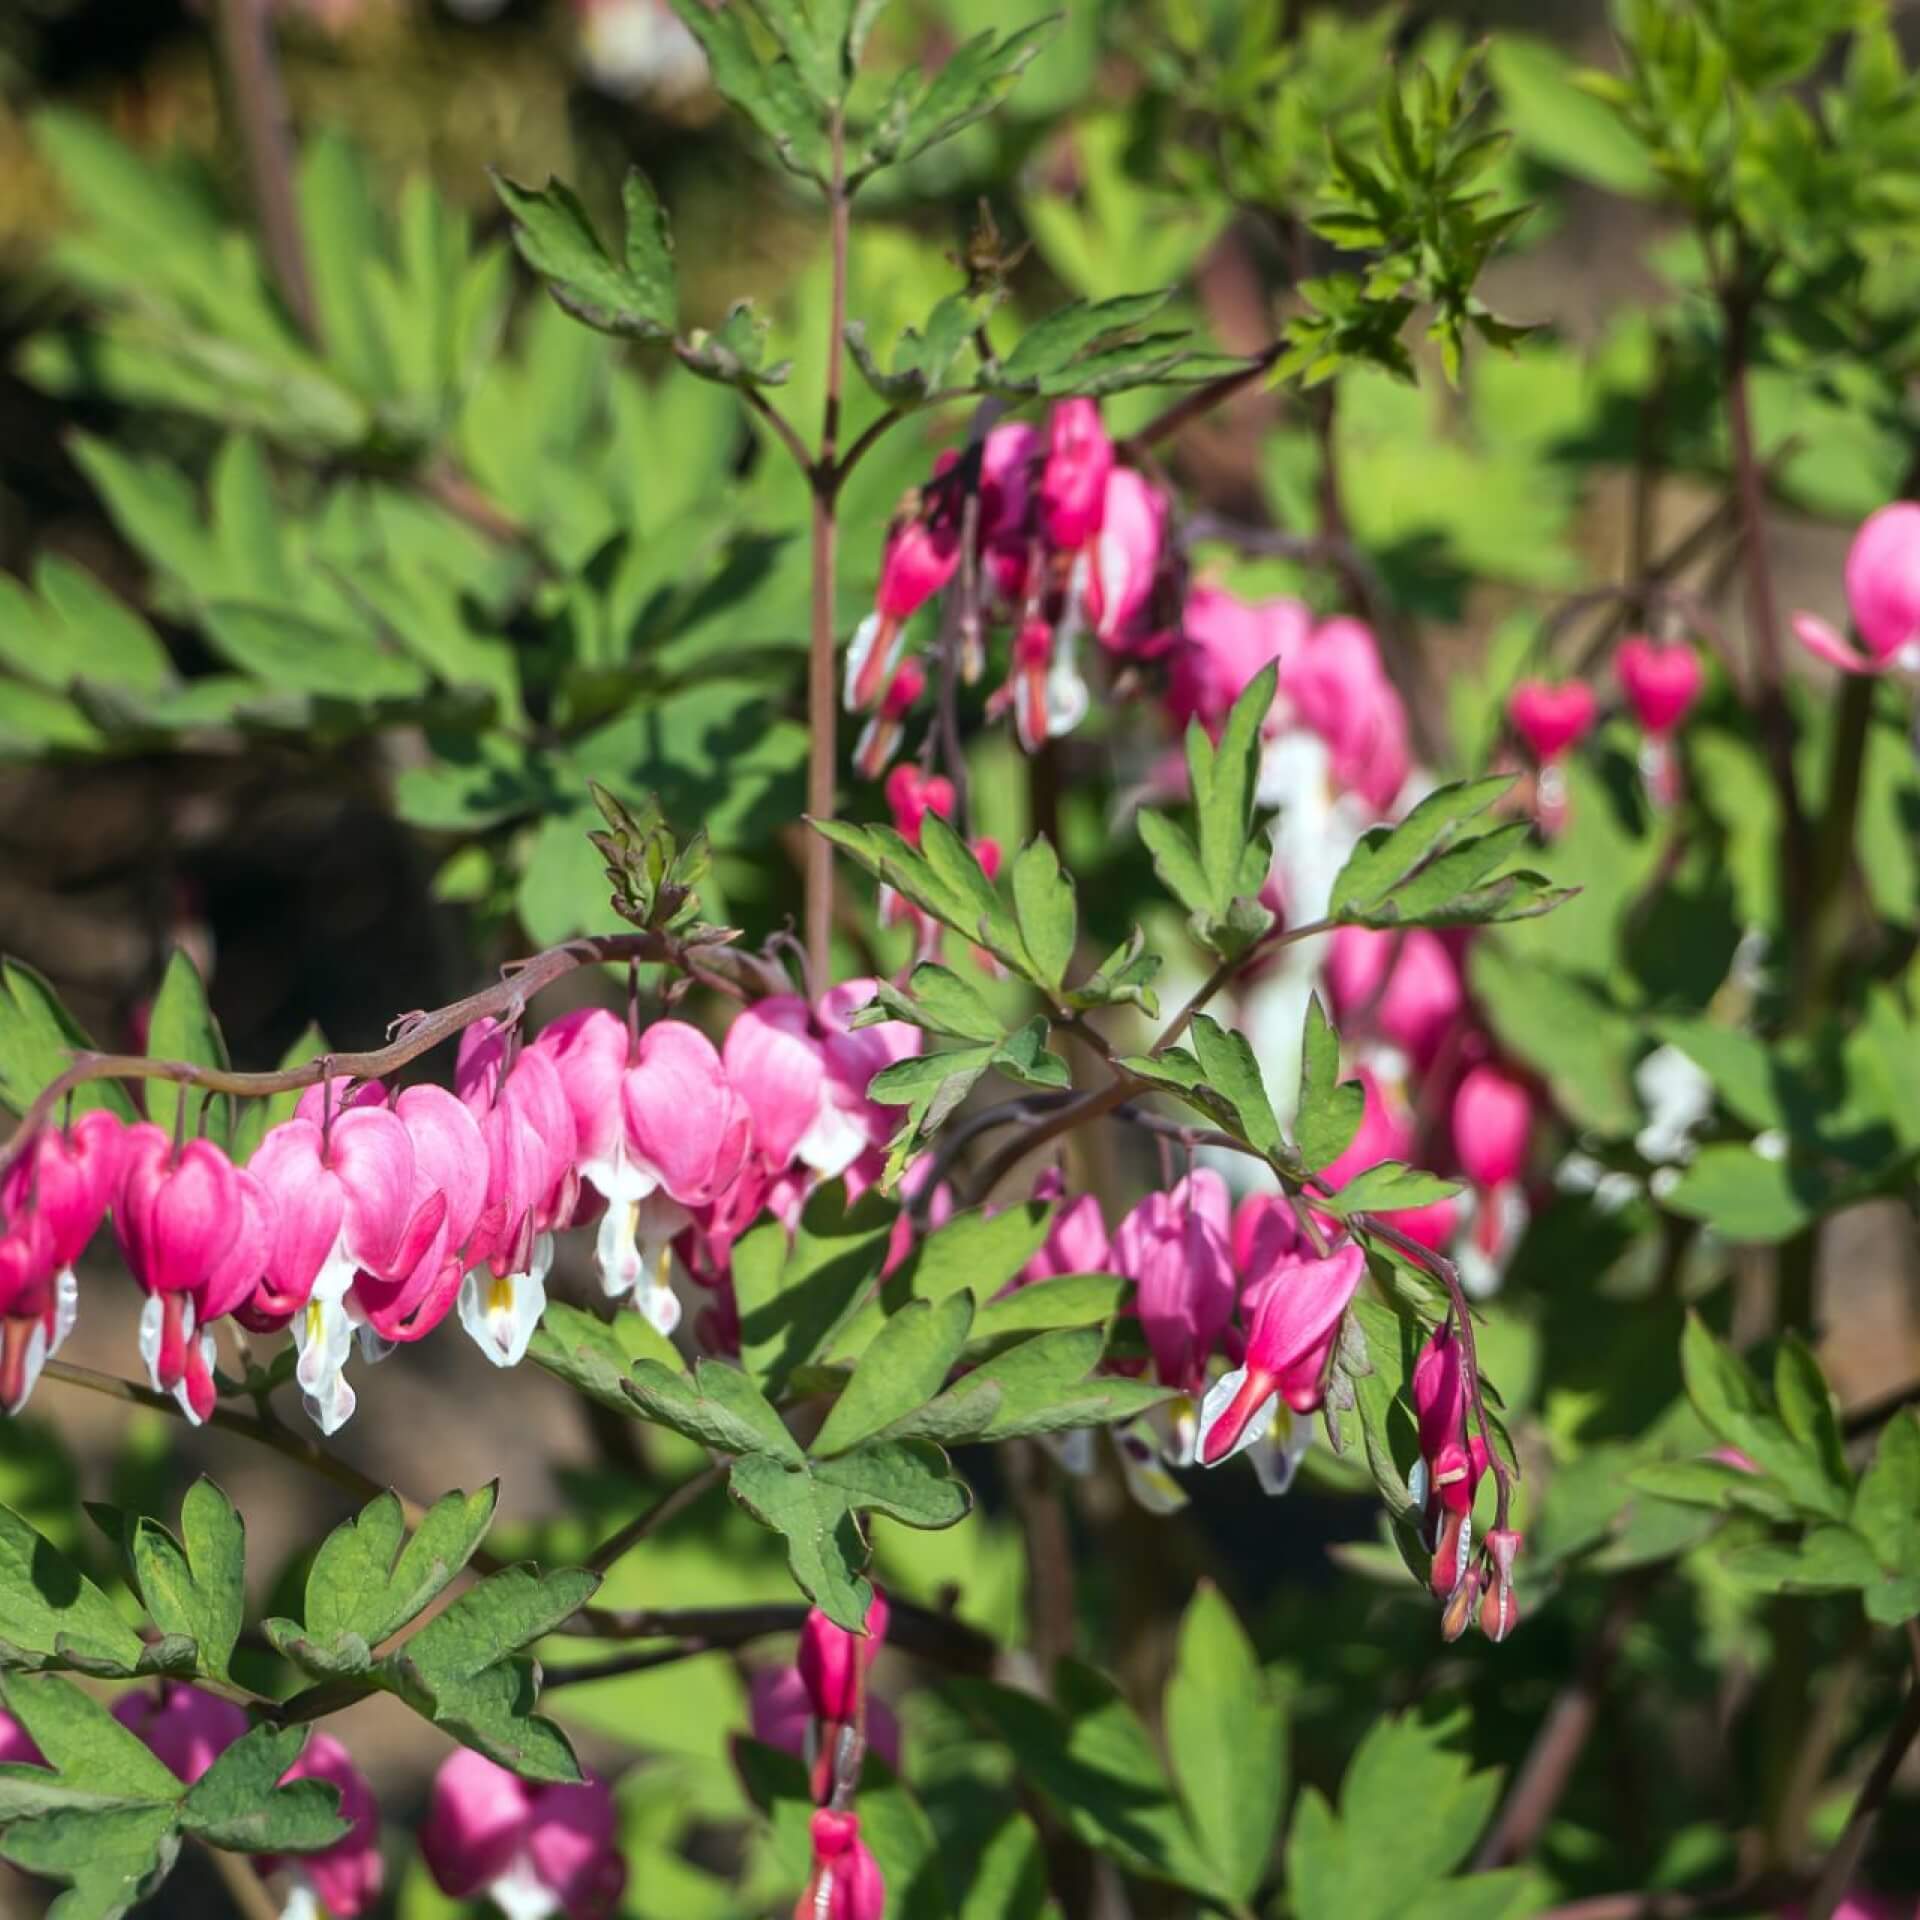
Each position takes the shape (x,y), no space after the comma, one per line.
(1213,1409)
(323,1332)
(1277,1459)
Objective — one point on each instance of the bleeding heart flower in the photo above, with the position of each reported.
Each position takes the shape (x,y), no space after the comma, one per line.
(919,560)
(780,1711)
(1008,463)
(1552,719)
(534,1851)
(1173,1246)
(846,1883)
(1492,1124)
(1335,685)
(1073,483)
(833,1665)
(344,1880)
(1450,1466)
(912,795)
(1883,592)
(1225,641)
(1125,556)
(1293,1319)
(1076,1239)
(1044,687)
(1661,683)
(1403,986)
(880,738)
(187,1730)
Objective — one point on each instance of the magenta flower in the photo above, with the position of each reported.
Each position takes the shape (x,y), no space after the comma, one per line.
(1044,687)
(846,1883)
(17,1748)
(1076,1239)
(1883,593)
(919,560)
(1450,1467)
(1008,464)
(188,1730)
(536,1851)
(1403,986)
(781,1715)
(886,726)
(1073,483)
(1174,1247)
(913,794)
(1552,720)
(447,1199)
(1492,1123)
(1337,688)
(1125,557)
(346,1878)
(1225,642)
(1386,1132)
(1293,1320)
(341,1194)
(1661,683)
(53,1199)
(533,1186)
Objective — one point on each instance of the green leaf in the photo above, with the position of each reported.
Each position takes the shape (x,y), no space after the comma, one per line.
(1726,1397)
(1040,1385)
(1388,1188)
(38,1039)
(1826,1560)
(49,1609)
(1024,1056)
(632,296)
(1223,787)
(369,1578)
(795,1292)
(196,1586)
(1567,1029)
(462,1672)
(735,353)
(1390,856)
(1748,1198)
(1066,337)
(98,637)
(595,1356)
(1043,899)
(905,1366)
(1067,1300)
(1558,121)
(938,1000)
(971,82)
(771,95)
(1228,1741)
(1175,860)
(816,1507)
(720,1408)
(1095,1764)
(182,1027)
(1330,1110)
(1805,1401)
(1886,1505)
(239,1804)
(1410,1811)
(1227,1060)
(288,650)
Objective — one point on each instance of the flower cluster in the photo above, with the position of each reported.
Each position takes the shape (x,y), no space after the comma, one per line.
(370,1216)
(1067,543)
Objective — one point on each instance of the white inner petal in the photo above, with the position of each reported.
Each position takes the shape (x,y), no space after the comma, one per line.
(1214,1407)
(323,1332)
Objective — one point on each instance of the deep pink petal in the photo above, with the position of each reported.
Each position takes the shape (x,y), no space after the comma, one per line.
(589,1053)
(476,1825)
(1824,643)
(309,1207)
(777,1065)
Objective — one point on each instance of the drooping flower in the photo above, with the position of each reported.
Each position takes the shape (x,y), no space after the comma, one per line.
(1174,1247)
(1125,557)
(344,1880)
(921,556)
(1224,642)
(1073,482)
(1336,686)
(341,1188)
(187,1729)
(1450,1466)
(846,1883)
(1883,593)
(1492,1124)
(535,1851)
(450,1168)
(1661,685)
(533,1186)
(1499,1611)
(886,726)
(781,1715)
(1293,1321)
(1076,1239)
(1403,986)
(53,1199)
(196,1234)
(833,1665)
(1552,719)
(1044,686)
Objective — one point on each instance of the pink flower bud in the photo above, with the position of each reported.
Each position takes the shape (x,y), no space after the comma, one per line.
(1405,987)
(912,795)
(1264,1232)
(919,560)
(1126,556)
(781,1711)
(1662,683)
(1076,1242)
(846,1883)
(833,1663)
(1550,718)
(1492,1121)
(1073,484)
(1174,1247)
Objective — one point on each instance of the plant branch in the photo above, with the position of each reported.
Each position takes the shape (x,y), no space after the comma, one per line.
(257,101)
(248,1892)
(667,1508)
(913,1629)
(865,441)
(783,429)
(418,1033)
(822,655)
(1837,1874)
(1201,401)
(1562,1736)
